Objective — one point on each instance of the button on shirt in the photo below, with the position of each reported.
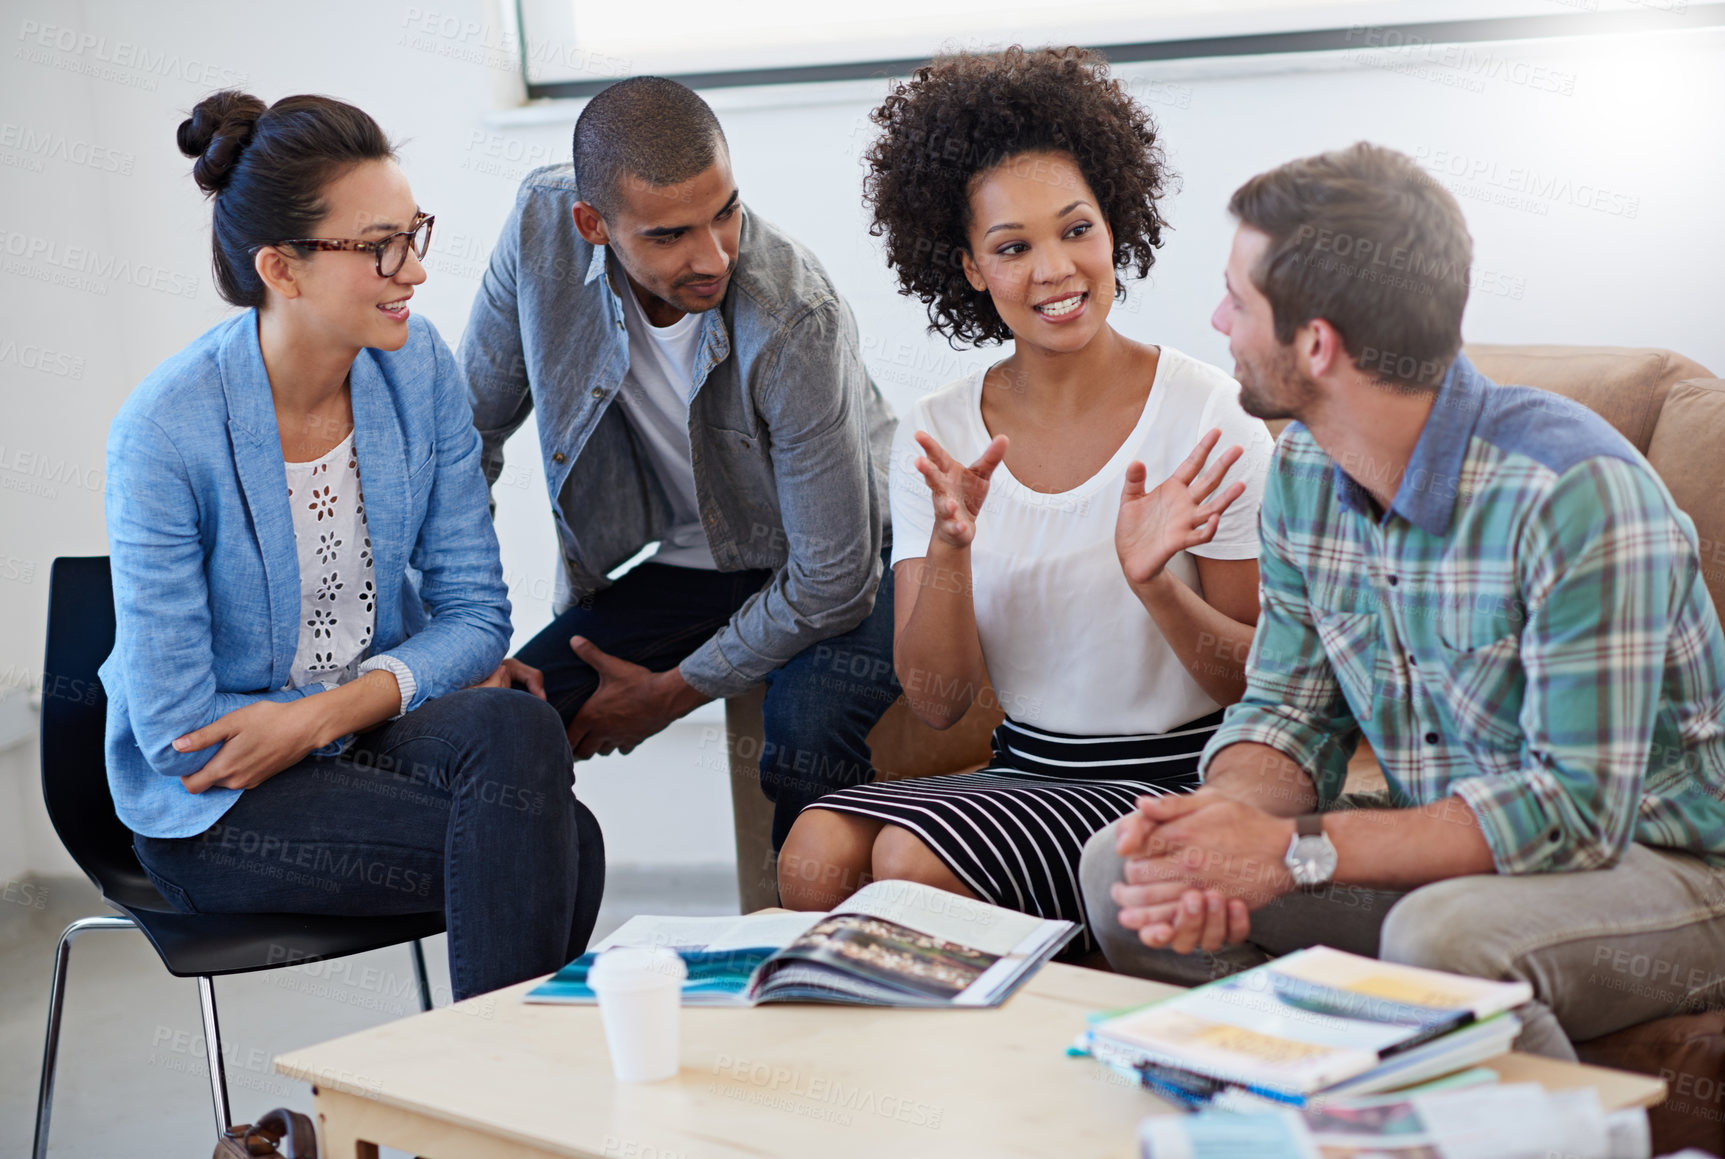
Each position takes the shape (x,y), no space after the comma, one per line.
(1525,629)
(655,397)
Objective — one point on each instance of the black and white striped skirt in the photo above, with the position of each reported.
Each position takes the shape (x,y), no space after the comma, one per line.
(1014,831)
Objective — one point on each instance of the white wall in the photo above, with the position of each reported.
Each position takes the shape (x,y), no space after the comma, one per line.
(1593,208)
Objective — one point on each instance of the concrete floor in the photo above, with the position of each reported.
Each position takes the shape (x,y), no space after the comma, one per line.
(132,1075)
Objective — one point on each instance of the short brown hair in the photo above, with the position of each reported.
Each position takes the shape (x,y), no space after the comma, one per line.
(1366,240)
(964,115)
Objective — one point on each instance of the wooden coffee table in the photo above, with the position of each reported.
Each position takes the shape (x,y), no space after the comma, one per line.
(495,1077)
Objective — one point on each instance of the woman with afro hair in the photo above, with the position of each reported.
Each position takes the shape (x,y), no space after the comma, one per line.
(1013,191)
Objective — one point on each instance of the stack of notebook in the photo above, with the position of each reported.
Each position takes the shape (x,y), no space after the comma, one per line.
(1318,1021)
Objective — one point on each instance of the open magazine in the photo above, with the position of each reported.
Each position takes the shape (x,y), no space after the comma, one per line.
(1314,1020)
(892,943)
(1510,1121)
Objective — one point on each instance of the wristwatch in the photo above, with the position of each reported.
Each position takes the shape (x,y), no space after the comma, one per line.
(1311,859)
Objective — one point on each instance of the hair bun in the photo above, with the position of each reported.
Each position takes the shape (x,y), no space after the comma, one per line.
(217,131)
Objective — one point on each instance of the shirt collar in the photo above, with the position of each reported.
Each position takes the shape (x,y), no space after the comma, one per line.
(715,339)
(1430,485)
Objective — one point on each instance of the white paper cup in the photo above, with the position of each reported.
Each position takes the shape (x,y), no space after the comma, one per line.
(640,1001)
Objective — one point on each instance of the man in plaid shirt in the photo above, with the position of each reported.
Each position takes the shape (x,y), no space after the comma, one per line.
(1495,589)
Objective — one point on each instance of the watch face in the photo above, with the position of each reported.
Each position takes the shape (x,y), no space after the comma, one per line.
(1312,861)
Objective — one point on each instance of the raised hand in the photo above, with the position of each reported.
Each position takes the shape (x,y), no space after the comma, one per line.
(958,490)
(1181,513)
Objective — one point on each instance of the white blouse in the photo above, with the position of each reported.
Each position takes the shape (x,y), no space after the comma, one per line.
(1068,645)
(337,586)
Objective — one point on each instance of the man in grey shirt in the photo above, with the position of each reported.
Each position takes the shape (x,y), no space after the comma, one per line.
(698,383)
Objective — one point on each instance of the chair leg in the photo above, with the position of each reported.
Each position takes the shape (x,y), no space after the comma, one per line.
(420,975)
(56,1003)
(213,1051)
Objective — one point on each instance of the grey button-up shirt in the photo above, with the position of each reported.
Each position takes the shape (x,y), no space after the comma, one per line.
(789,435)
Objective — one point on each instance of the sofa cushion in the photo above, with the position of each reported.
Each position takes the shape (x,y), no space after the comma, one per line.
(1625,385)
(1688,451)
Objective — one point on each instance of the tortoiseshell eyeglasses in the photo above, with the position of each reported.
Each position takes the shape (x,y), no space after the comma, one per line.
(391,252)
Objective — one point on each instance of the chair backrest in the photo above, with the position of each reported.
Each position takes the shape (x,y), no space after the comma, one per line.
(74,719)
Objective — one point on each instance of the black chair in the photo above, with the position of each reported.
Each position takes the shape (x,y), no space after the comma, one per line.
(75,787)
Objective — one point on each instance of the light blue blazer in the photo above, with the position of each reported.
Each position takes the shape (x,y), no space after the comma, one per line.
(206,575)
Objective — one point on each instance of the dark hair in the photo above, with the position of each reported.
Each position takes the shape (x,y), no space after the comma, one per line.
(266,168)
(1366,240)
(963,115)
(646,127)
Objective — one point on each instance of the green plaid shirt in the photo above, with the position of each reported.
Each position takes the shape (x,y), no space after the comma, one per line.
(1526,629)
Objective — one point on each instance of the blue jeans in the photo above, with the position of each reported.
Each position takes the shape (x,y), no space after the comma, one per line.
(464,805)
(819,707)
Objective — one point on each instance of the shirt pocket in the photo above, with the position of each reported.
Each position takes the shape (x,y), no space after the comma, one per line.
(1482,688)
(1351,643)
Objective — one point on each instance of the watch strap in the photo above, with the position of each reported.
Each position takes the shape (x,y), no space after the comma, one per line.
(1309,825)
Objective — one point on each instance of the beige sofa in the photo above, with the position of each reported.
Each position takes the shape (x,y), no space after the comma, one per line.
(1673,410)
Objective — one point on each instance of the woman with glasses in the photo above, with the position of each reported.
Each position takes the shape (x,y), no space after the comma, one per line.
(307,712)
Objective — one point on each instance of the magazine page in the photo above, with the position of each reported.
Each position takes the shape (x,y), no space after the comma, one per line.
(1020,942)
(1458,1049)
(1230,1051)
(1369,988)
(1239,1030)
(799,981)
(1245,1001)
(728,932)
(715,978)
(1516,1121)
(722,954)
(886,953)
(960,920)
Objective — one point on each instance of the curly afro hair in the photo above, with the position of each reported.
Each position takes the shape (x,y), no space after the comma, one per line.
(962,115)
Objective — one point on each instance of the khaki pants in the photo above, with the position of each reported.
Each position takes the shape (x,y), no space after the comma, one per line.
(1602,949)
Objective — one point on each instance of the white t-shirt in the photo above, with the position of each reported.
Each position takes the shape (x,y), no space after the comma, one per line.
(1069,647)
(337,589)
(655,398)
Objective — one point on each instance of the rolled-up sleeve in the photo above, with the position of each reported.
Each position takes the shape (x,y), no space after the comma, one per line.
(1600,561)
(811,398)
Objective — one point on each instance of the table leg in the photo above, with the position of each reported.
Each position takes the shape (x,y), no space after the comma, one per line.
(337,1128)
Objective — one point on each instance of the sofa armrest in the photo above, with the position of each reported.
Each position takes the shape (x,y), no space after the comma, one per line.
(1688,451)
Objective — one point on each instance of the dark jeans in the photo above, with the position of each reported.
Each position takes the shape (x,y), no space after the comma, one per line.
(466,805)
(819,707)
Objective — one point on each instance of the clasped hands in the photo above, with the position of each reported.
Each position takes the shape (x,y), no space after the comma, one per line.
(1197,865)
